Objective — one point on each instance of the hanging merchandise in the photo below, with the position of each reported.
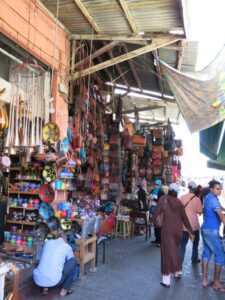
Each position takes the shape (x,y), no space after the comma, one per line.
(46,193)
(126,140)
(62,158)
(4,122)
(51,133)
(26,107)
(46,210)
(5,161)
(64,145)
(48,173)
(138,140)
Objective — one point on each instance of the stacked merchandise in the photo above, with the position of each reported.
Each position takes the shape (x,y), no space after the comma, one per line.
(105,171)
(115,163)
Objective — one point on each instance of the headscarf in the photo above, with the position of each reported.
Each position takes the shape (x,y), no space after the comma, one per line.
(156,189)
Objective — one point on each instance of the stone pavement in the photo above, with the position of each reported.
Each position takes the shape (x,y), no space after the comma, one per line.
(132,272)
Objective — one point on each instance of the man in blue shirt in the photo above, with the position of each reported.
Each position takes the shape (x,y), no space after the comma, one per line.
(213,216)
(56,267)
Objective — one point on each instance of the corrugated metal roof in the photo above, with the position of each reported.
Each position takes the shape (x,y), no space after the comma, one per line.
(148,15)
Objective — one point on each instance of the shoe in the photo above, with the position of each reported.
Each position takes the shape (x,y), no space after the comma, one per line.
(194,262)
(154,242)
(179,276)
(158,245)
(165,285)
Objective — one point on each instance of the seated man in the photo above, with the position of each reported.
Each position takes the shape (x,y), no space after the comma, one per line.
(57,266)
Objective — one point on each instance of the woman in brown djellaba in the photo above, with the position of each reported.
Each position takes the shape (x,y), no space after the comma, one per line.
(174,217)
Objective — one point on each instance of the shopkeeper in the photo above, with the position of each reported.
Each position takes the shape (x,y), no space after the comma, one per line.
(57,266)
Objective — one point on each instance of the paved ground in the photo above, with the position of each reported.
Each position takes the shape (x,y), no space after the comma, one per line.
(132,272)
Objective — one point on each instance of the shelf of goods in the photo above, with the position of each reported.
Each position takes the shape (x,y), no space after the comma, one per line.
(22,193)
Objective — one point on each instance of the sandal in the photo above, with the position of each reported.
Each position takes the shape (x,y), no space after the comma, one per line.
(44,291)
(219,289)
(69,291)
(210,283)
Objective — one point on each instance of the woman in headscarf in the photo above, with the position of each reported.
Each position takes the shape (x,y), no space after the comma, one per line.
(155,195)
(174,217)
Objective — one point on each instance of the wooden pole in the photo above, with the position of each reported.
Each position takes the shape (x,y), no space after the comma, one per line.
(158,43)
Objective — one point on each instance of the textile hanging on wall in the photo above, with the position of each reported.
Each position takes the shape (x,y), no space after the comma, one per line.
(201,98)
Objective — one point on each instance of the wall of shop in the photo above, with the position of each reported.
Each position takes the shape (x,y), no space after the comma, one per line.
(28,24)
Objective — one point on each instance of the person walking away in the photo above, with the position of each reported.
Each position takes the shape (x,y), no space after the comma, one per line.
(193,207)
(171,233)
(56,267)
(155,195)
(212,216)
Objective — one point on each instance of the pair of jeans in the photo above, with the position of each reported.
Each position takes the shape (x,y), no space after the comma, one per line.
(212,245)
(183,245)
(68,273)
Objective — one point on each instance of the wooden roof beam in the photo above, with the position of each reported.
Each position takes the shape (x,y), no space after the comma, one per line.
(180,56)
(139,109)
(97,53)
(124,37)
(128,15)
(156,120)
(87,15)
(117,67)
(133,70)
(157,43)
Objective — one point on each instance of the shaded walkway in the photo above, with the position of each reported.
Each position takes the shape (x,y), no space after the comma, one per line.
(132,272)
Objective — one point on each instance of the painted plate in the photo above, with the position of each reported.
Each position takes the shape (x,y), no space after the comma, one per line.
(51,133)
(46,211)
(46,193)
(49,173)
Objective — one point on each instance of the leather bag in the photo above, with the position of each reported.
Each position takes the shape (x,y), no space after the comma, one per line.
(158,221)
(139,140)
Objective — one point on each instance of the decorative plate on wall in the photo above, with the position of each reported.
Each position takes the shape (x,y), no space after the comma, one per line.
(51,133)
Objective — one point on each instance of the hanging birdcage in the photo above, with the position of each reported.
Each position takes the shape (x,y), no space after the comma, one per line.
(26,107)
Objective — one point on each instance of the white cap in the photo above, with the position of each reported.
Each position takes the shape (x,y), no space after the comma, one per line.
(192,185)
(174,187)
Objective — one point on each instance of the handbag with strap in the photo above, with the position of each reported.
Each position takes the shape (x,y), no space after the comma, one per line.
(159,219)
